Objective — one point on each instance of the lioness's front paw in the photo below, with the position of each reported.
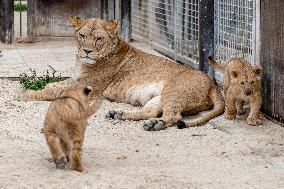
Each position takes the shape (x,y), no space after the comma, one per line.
(60,163)
(254,122)
(229,116)
(113,114)
(154,125)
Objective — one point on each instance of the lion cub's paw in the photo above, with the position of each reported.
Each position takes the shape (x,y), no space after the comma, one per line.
(60,163)
(254,122)
(154,125)
(113,114)
(229,116)
(79,168)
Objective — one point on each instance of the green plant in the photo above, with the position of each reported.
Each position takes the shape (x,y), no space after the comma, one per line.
(20,7)
(34,82)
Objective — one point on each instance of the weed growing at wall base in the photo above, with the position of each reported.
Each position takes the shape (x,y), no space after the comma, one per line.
(35,82)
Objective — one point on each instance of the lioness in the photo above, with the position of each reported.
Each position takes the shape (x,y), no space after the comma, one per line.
(123,73)
(241,84)
(65,125)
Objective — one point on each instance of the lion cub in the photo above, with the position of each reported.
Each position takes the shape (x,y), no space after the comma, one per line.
(241,84)
(65,125)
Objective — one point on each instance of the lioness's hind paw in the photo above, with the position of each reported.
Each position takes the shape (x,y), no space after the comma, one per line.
(60,163)
(114,115)
(154,125)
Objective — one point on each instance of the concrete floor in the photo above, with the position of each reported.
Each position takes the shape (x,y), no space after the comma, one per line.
(221,154)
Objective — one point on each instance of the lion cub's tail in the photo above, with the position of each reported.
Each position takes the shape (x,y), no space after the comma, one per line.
(218,109)
(216,64)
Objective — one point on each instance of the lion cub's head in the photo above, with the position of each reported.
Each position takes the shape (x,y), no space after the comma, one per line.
(247,79)
(96,38)
(80,93)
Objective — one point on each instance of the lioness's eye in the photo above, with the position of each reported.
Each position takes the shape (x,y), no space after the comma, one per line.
(242,83)
(100,38)
(252,82)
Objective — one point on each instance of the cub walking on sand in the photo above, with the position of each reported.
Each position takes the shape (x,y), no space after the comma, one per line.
(65,125)
(242,83)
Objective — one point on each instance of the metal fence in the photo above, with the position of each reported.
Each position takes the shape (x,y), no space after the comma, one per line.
(169,26)
(172,27)
(236,29)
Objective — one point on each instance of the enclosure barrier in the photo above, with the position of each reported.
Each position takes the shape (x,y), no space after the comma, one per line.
(173,28)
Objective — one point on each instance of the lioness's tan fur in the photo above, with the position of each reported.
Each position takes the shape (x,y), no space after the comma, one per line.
(123,73)
(242,83)
(65,125)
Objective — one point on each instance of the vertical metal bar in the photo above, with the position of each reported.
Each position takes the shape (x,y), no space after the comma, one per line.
(20,18)
(118,9)
(6,21)
(206,34)
(123,13)
(104,9)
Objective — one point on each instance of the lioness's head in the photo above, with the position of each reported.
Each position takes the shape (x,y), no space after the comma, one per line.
(96,38)
(248,80)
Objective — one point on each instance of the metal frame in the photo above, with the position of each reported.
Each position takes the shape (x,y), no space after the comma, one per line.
(173,27)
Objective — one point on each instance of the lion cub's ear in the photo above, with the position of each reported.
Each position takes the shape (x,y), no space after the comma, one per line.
(257,70)
(234,74)
(75,22)
(112,27)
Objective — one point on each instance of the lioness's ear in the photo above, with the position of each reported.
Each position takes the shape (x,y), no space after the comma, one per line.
(257,70)
(112,27)
(234,74)
(75,22)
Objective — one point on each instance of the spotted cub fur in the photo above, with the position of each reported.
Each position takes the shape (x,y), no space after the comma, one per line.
(242,83)
(65,125)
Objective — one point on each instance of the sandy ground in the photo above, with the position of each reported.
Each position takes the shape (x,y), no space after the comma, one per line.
(222,154)
(200,157)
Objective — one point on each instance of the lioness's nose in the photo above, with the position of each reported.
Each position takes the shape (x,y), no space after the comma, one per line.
(87,51)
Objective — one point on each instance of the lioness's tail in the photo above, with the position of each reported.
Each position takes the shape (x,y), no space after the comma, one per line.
(216,64)
(218,109)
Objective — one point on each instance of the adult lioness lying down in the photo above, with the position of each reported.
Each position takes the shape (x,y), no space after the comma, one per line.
(123,73)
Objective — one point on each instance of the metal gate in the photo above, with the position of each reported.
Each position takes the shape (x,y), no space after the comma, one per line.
(169,26)
(172,28)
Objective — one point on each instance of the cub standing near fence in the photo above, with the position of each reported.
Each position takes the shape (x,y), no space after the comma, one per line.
(123,73)
(241,84)
(65,125)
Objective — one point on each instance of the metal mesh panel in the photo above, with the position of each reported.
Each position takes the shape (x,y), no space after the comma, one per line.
(169,26)
(187,29)
(162,24)
(235,29)
(140,19)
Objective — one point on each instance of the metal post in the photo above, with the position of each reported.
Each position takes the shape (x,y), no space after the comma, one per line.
(104,9)
(126,20)
(6,21)
(206,35)
(124,13)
